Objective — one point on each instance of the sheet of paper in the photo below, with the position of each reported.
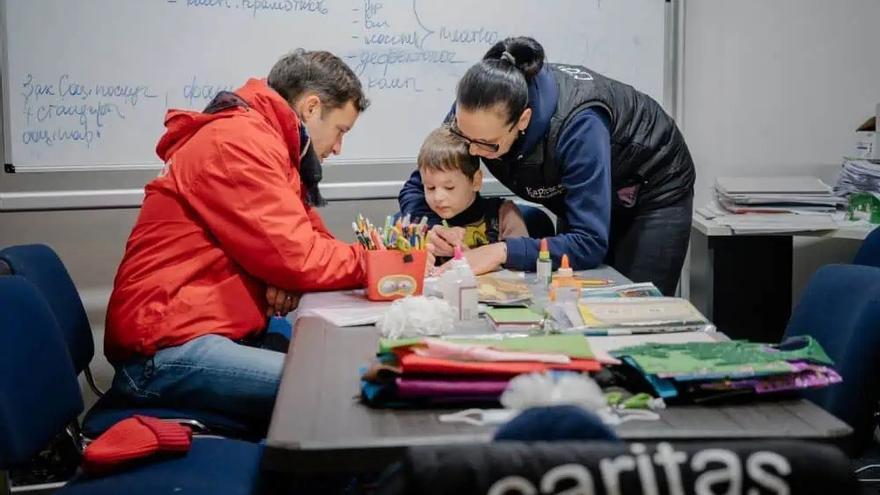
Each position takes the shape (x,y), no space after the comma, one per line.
(638,311)
(348,308)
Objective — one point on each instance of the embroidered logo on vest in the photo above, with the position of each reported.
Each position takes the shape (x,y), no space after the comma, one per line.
(576,72)
(545,192)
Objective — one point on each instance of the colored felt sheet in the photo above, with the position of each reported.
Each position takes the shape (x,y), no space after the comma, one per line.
(412,363)
(573,345)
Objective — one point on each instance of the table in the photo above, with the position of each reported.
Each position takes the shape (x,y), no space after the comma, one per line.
(320,428)
(743,282)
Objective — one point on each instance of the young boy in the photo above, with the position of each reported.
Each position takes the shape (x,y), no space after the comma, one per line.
(452,180)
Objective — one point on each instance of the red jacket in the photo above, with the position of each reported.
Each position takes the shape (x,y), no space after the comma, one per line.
(225,218)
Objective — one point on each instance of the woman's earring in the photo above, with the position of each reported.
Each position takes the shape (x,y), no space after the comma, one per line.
(522,132)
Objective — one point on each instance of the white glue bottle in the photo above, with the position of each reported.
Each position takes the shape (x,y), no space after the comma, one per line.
(459,287)
(544,266)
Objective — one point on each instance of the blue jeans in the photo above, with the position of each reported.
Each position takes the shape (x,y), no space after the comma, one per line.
(209,373)
(650,245)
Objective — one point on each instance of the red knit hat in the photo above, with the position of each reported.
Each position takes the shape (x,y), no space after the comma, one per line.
(135,438)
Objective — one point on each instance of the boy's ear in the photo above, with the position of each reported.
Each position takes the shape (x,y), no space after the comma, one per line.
(478,181)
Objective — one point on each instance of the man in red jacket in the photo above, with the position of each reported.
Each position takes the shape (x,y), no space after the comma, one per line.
(227,234)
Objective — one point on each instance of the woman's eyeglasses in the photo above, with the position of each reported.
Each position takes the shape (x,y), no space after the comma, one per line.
(490,147)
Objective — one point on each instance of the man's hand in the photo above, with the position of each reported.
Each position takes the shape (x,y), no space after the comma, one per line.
(444,239)
(280,301)
(484,259)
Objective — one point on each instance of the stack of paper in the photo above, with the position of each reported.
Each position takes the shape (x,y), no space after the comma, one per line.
(434,372)
(773,204)
(503,288)
(644,289)
(630,315)
(517,320)
(704,370)
(775,195)
(858,176)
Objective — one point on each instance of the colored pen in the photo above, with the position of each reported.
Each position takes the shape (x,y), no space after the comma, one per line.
(594,282)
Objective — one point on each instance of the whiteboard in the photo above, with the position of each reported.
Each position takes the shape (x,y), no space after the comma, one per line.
(87,82)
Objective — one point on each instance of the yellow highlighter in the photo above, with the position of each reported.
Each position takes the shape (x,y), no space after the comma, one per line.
(593,282)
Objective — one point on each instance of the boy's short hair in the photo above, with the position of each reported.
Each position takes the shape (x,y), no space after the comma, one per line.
(442,150)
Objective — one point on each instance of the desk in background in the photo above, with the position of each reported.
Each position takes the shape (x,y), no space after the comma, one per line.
(742,282)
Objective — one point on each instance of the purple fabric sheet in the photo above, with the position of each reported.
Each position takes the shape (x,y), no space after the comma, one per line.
(413,388)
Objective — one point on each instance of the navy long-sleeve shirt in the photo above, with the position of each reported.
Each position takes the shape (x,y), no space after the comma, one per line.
(584,153)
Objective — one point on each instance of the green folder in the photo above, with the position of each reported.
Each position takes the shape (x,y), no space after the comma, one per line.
(518,316)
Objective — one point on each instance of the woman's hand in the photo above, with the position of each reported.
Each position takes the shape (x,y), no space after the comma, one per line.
(280,301)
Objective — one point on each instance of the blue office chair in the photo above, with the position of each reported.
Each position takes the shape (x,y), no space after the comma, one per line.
(840,308)
(869,252)
(35,369)
(42,267)
(41,399)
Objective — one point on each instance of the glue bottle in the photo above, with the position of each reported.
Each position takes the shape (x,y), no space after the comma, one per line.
(565,287)
(459,287)
(544,266)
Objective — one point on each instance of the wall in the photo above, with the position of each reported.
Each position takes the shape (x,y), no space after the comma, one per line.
(776,88)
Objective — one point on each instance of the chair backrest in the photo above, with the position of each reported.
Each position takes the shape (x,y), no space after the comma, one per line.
(743,467)
(42,267)
(869,253)
(840,308)
(39,392)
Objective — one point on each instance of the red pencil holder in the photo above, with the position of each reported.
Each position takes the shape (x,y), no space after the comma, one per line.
(393,274)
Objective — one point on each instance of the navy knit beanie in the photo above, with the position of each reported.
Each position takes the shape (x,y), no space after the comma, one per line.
(554,423)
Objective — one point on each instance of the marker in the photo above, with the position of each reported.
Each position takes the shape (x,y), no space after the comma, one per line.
(374,235)
(594,282)
(608,333)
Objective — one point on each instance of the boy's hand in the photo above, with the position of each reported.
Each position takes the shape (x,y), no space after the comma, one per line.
(430,260)
(445,239)
(483,259)
(280,301)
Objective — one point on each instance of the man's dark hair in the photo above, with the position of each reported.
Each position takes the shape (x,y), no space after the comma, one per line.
(301,71)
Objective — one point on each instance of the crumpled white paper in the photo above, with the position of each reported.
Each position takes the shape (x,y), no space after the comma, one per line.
(417,316)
